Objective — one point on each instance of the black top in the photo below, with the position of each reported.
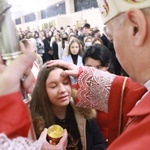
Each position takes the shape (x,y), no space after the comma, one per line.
(55,50)
(70,124)
(94,138)
(74,58)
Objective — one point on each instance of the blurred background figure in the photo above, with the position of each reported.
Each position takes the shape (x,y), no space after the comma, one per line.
(87,41)
(30,46)
(48,55)
(97,33)
(97,40)
(39,44)
(74,53)
(97,56)
(85,32)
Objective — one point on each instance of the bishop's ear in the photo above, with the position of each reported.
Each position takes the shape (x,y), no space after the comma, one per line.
(137,20)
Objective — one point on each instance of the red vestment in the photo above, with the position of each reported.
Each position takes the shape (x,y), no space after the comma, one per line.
(137,133)
(132,93)
(14,116)
(98,89)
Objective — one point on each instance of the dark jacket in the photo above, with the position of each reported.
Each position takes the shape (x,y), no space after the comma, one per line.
(95,140)
(55,50)
(85,127)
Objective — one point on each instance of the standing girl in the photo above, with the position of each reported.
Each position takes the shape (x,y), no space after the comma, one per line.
(74,53)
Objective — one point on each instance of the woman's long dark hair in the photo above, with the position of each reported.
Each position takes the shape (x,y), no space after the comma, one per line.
(41,107)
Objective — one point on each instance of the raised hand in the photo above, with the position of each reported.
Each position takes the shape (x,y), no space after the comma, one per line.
(11,75)
(72,70)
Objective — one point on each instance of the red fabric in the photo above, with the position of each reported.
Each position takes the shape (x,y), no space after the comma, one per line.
(102,120)
(76,85)
(14,116)
(136,136)
(79,71)
(133,92)
(102,117)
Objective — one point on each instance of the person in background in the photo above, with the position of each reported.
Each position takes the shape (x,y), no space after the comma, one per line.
(87,41)
(115,66)
(97,56)
(39,44)
(85,32)
(57,47)
(71,37)
(67,29)
(64,42)
(74,54)
(29,47)
(97,40)
(61,29)
(48,55)
(75,30)
(55,50)
(80,31)
(97,33)
(21,35)
(52,93)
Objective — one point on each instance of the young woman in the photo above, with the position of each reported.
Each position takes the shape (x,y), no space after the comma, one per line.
(52,104)
(98,56)
(74,54)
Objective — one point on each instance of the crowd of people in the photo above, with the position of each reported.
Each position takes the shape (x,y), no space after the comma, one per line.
(121,102)
(55,43)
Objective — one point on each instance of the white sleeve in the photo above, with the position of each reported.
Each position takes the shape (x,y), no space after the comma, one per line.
(19,143)
(94,88)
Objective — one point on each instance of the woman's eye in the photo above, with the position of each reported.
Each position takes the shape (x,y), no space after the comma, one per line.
(52,86)
(66,82)
(98,67)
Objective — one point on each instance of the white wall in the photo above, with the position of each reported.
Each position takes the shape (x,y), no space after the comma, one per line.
(91,15)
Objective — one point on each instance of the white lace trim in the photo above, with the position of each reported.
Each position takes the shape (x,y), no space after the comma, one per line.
(19,143)
(94,88)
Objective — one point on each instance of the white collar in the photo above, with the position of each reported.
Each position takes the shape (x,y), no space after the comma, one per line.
(147,85)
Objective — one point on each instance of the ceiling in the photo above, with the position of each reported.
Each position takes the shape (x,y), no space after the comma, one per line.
(22,7)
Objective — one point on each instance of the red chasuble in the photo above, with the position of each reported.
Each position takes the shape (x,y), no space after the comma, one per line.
(14,118)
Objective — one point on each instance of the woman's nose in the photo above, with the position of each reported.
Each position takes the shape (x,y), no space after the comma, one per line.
(62,88)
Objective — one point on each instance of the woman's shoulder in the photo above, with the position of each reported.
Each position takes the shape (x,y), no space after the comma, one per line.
(65,57)
(87,113)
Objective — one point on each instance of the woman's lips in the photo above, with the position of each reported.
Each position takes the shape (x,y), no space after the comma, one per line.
(63,98)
